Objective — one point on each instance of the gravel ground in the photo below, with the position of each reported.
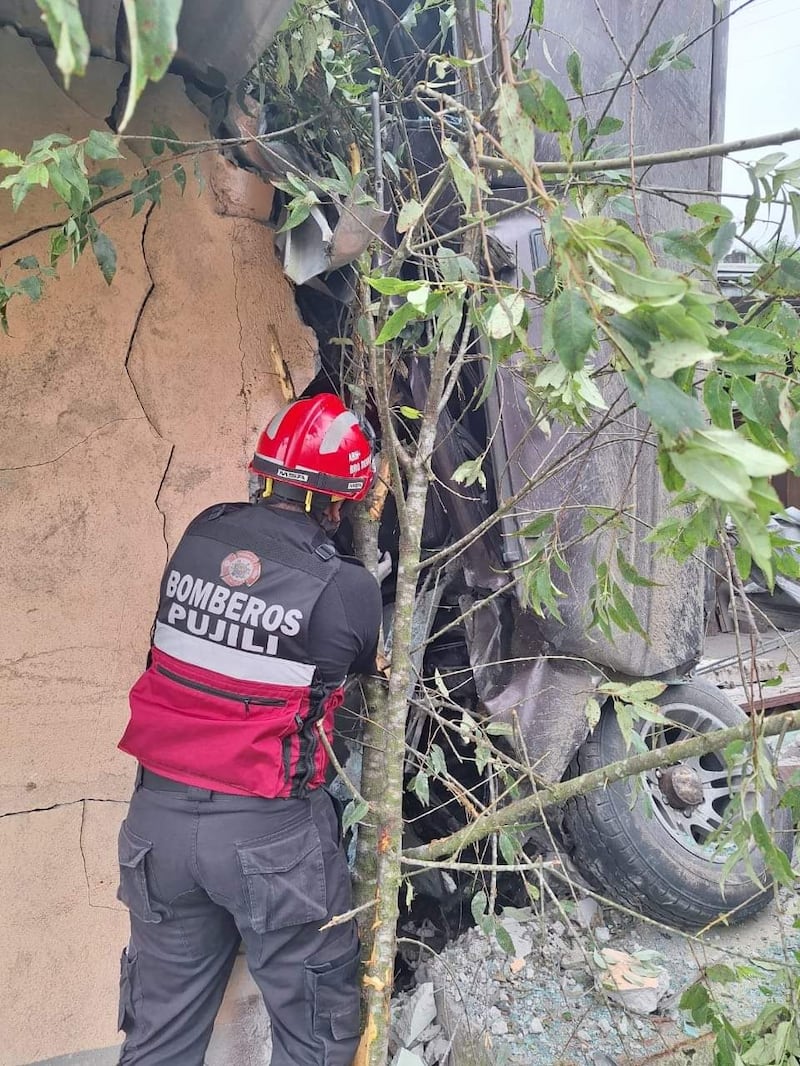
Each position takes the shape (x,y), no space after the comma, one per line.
(541,1006)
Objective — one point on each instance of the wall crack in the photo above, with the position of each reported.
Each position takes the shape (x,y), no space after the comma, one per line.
(72,447)
(132,341)
(243,392)
(57,806)
(94,906)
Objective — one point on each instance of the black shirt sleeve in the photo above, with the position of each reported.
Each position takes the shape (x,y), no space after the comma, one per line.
(343,629)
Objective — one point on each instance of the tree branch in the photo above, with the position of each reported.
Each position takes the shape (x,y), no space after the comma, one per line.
(525,810)
(704,151)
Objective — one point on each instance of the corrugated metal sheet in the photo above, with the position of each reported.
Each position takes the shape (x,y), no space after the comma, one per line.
(218,40)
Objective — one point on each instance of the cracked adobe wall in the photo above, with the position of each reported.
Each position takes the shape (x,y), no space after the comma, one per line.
(125,409)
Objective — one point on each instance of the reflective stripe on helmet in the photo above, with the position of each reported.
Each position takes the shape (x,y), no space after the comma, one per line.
(272,429)
(335,432)
(243,665)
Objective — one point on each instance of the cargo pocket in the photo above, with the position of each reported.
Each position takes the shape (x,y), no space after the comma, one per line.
(284,878)
(127,992)
(133,888)
(335,1003)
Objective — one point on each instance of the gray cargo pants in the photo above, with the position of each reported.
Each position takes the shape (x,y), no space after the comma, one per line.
(201,870)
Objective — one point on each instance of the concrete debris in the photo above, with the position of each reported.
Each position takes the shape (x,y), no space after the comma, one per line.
(574,959)
(636,983)
(429,1033)
(602,934)
(535,1026)
(588,914)
(415,1017)
(522,941)
(404,1057)
(437,1051)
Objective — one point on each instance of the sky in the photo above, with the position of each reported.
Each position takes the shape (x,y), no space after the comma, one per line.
(763,89)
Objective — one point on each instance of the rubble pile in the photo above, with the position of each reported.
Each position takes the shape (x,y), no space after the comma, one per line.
(578,988)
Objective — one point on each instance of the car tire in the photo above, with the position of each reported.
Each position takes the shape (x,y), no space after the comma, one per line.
(637,846)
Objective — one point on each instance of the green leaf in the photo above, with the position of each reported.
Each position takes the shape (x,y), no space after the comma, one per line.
(757,341)
(631,574)
(505,315)
(723,241)
(720,477)
(775,858)
(27,262)
(668,356)
(470,471)
(685,246)
(664,50)
(574,72)
(105,253)
(721,974)
(667,406)
(466,181)
(608,125)
(298,213)
(537,13)
(573,328)
(438,760)
(282,69)
(543,103)
(515,127)
(478,906)
(10,159)
(508,847)
(659,288)
(58,245)
(757,461)
(592,711)
(625,616)
(410,213)
(794,203)
(393,286)
(354,812)
(179,174)
(108,178)
(102,146)
(153,36)
(710,212)
(503,938)
(419,786)
(500,729)
(396,323)
(694,998)
(794,437)
(718,401)
(65,26)
(31,286)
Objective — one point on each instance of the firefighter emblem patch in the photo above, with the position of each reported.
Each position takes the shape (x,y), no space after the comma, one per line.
(240,568)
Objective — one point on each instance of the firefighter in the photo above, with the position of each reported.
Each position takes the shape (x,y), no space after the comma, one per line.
(229,835)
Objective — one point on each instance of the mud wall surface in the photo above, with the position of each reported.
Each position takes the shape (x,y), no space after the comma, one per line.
(124,409)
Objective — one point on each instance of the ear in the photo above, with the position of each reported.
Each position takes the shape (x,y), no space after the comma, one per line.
(333,512)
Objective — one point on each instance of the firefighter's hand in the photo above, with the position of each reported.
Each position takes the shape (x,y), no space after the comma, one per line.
(384,567)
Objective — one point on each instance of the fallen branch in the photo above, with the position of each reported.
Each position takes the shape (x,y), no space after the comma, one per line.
(558,794)
(703,151)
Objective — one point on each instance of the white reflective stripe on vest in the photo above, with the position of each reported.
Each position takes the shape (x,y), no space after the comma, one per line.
(243,665)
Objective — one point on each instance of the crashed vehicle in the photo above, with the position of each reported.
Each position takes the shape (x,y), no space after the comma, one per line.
(648,843)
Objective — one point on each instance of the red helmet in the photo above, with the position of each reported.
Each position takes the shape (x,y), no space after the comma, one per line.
(317,445)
